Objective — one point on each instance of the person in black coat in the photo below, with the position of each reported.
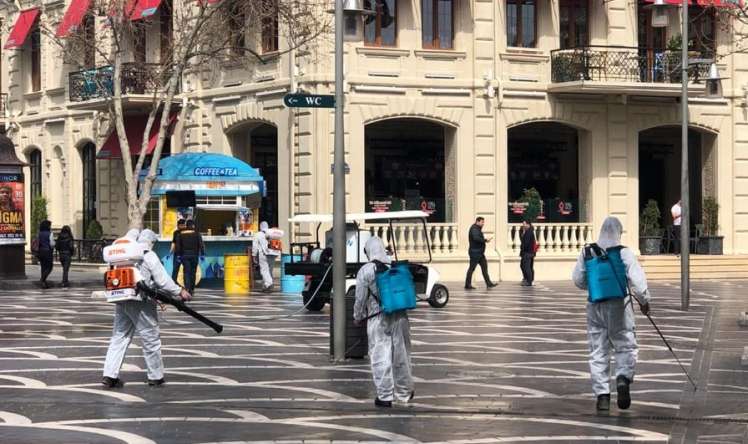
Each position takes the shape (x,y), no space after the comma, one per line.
(477,253)
(189,248)
(65,246)
(44,249)
(527,254)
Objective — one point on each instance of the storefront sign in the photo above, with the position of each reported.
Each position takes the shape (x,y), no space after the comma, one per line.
(309,101)
(380,206)
(11,209)
(161,187)
(428,206)
(215,172)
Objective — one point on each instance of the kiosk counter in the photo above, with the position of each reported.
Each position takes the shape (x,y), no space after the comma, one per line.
(227,196)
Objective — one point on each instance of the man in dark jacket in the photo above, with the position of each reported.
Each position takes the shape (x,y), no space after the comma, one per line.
(181,225)
(477,253)
(190,247)
(527,254)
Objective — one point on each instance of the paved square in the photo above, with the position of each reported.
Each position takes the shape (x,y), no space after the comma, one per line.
(501,365)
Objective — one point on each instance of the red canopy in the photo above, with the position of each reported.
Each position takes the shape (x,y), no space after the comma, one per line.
(25,21)
(140,9)
(134,129)
(73,17)
(705,3)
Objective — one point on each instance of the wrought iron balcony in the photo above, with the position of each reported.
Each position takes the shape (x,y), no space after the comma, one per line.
(97,83)
(624,64)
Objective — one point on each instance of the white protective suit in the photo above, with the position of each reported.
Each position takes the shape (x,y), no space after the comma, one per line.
(141,317)
(612,321)
(265,258)
(389,335)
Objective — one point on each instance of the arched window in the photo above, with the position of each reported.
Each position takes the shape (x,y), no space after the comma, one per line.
(88,158)
(35,165)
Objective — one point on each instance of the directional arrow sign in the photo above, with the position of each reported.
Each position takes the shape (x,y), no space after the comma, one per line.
(309,101)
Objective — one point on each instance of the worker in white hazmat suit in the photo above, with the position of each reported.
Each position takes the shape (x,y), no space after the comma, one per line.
(264,257)
(389,334)
(141,317)
(612,322)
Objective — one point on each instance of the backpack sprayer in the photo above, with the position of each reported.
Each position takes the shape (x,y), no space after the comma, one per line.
(124,282)
(599,283)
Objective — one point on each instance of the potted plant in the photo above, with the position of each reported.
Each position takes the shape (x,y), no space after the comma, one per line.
(38,214)
(708,241)
(92,246)
(650,234)
(534,204)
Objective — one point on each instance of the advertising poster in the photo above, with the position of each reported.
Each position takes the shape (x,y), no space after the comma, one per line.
(11,209)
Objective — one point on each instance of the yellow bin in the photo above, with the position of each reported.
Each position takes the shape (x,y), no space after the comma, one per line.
(237,273)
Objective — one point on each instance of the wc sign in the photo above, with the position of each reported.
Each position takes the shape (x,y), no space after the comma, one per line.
(309,100)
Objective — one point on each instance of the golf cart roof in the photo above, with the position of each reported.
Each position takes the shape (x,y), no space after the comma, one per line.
(360,217)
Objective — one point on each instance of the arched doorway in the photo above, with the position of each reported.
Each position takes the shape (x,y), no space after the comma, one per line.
(660,170)
(546,156)
(257,144)
(409,165)
(88,160)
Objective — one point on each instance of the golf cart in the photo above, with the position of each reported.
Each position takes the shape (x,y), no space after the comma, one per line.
(316,260)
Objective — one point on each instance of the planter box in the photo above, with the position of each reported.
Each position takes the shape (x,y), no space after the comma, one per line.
(709,245)
(650,245)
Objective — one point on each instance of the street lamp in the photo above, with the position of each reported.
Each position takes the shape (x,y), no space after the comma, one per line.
(659,15)
(348,15)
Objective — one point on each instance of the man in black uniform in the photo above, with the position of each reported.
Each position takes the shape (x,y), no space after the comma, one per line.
(177,259)
(477,253)
(190,247)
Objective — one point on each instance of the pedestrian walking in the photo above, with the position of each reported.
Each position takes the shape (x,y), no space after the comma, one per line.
(676,213)
(610,313)
(477,254)
(65,246)
(45,244)
(265,256)
(141,316)
(177,260)
(388,334)
(190,248)
(527,250)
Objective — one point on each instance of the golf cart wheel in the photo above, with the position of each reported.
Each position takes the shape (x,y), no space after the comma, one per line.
(317,304)
(439,296)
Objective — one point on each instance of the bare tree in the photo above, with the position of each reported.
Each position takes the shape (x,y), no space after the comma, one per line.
(196,35)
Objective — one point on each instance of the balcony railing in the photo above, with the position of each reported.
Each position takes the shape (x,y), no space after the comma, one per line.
(411,239)
(624,64)
(88,250)
(554,238)
(97,83)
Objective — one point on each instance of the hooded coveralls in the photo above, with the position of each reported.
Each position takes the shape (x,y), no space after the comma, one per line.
(612,321)
(140,316)
(265,257)
(389,335)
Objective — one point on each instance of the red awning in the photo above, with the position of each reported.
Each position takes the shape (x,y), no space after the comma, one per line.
(134,128)
(705,3)
(140,9)
(73,17)
(25,21)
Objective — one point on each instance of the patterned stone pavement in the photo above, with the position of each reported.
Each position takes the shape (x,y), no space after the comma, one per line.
(501,365)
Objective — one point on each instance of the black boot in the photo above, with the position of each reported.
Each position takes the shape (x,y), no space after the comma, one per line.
(624,394)
(379,403)
(603,403)
(110,383)
(156,382)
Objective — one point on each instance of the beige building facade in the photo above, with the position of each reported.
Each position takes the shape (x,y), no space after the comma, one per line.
(454,107)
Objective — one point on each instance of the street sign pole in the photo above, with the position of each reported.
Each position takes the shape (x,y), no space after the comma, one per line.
(338,208)
(685,225)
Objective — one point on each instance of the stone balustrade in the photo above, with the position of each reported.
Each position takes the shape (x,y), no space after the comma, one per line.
(554,238)
(411,239)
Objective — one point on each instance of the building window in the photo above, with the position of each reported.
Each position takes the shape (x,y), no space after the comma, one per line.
(521,23)
(151,216)
(88,158)
(575,23)
(237,24)
(139,44)
(35,165)
(702,30)
(270,26)
(438,24)
(381,28)
(36,60)
(167,28)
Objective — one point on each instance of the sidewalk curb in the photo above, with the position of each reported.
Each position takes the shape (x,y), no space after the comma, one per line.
(33,284)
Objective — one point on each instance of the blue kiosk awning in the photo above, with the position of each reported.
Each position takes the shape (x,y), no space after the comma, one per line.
(207,174)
